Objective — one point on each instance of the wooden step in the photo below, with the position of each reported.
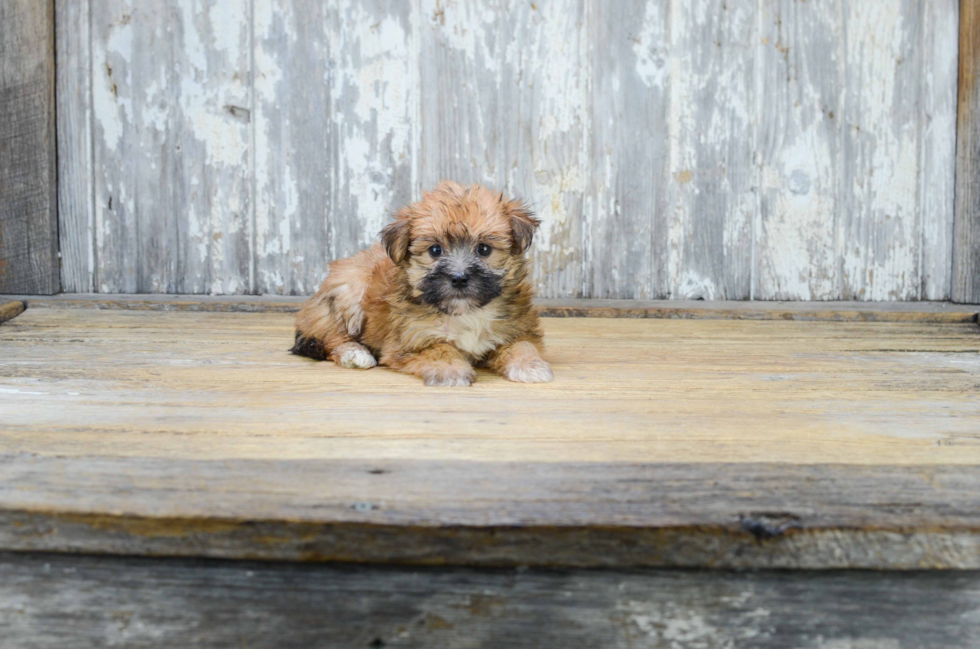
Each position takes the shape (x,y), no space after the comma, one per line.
(661,443)
(56,601)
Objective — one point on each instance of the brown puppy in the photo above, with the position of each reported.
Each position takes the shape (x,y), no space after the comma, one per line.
(446,290)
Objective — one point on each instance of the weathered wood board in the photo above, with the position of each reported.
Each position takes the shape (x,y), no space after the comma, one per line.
(10,309)
(171,96)
(661,443)
(76,191)
(685,150)
(829,311)
(54,601)
(28,175)
(799,142)
(966,251)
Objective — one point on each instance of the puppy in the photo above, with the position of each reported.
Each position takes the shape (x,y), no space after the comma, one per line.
(446,290)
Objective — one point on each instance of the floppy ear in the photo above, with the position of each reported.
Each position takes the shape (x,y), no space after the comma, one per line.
(396,237)
(523,223)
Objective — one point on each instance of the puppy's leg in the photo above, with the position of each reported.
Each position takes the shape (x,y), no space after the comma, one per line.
(329,339)
(353,355)
(439,365)
(331,322)
(321,333)
(319,330)
(520,361)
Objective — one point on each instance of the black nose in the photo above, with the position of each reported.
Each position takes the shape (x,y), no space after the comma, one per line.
(459,280)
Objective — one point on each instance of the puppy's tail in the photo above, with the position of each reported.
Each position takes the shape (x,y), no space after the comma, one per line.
(309,347)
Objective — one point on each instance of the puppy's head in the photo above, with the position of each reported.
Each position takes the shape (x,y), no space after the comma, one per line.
(459,246)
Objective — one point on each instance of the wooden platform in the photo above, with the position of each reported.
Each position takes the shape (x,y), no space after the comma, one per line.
(696,443)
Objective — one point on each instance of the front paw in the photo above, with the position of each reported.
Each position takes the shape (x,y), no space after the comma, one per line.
(531,370)
(449,376)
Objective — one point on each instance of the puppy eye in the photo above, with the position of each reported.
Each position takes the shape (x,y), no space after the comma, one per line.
(483,250)
(435,251)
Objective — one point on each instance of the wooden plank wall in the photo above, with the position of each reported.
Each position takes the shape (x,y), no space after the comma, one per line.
(28,212)
(766,149)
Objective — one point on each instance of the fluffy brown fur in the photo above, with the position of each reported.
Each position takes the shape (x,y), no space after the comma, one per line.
(446,290)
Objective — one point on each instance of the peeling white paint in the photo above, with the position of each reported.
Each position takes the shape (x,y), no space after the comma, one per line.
(213,112)
(940,31)
(677,626)
(713,196)
(652,47)
(560,155)
(694,286)
(881,125)
(112,73)
(812,206)
(375,136)
(274,35)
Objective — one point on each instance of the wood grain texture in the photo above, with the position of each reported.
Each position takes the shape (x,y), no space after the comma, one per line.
(626,220)
(712,131)
(375,113)
(133,103)
(10,310)
(28,167)
(674,150)
(881,225)
(212,183)
(966,236)
(796,250)
(76,190)
(170,94)
(292,130)
(51,601)
(555,308)
(491,513)
(661,442)
(937,149)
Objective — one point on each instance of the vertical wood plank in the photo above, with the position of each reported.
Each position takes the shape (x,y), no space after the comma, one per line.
(133,91)
(372,44)
(76,218)
(505,88)
(625,222)
(28,173)
(880,228)
(294,77)
(334,133)
(799,145)
(966,237)
(211,193)
(713,173)
(170,87)
(937,125)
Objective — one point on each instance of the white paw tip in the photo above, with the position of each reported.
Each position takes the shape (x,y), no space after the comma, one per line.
(450,379)
(358,359)
(536,371)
